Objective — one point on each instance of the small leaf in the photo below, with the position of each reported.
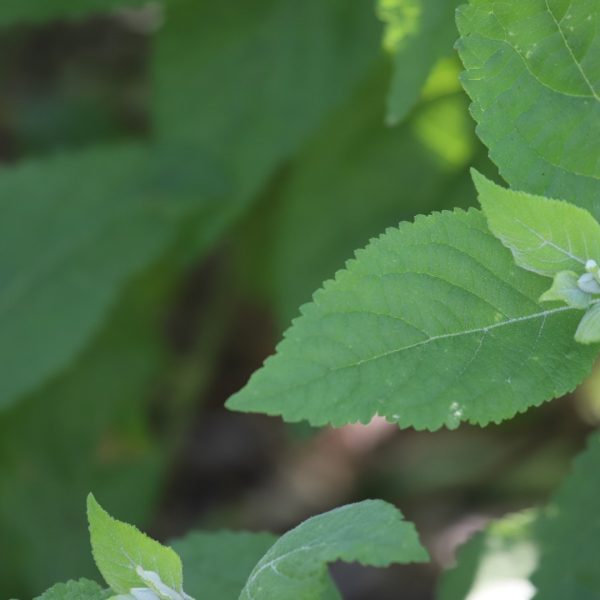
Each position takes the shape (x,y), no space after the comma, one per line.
(565,288)
(75,590)
(370,532)
(588,331)
(129,559)
(545,236)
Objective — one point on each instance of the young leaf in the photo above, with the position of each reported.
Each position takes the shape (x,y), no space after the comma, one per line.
(418,33)
(565,288)
(588,331)
(129,559)
(545,236)
(295,568)
(76,590)
(217,565)
(569,534)
(533,73)
(431,324)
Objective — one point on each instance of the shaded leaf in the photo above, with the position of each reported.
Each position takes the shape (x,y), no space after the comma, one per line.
(75,590)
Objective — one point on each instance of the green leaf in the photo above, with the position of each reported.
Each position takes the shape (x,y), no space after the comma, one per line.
(295,568)
(275,69)
(75,590)
(569,534)
(217,565)
(533,72)
(73,230)
(431,324)
(588,331)
(17,11)
(495,563)
(545,236)
(129,559)
(565,288)
(418,33)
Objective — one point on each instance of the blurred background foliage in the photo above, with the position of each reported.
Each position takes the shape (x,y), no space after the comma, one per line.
(176,181)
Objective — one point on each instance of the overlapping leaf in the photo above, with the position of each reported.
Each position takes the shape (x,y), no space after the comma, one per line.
(431,324)
(533,72)
(295,568)
(76,590)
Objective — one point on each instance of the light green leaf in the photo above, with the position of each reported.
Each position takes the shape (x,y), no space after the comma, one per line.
(127,558)
(418,33)
(495,563)
(217,565)
(588,331)
(569,534)
(75,590)
(18,11)
(545,236)
(533,72)
(431,324)
(73,230)
(295,568)
(565,288)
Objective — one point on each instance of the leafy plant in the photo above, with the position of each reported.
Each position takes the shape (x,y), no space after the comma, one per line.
(469,315)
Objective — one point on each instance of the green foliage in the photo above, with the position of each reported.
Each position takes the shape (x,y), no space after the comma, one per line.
(129,559)
(85,236)
(420,328)
(75,590)
(217,565)
(569,534)
(418,33)
(370,532)
(539,116)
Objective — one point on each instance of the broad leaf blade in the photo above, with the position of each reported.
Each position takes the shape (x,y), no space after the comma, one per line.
(533,72)
(545,236)
(120,550)
(431,324)
(76,590)
(370,532)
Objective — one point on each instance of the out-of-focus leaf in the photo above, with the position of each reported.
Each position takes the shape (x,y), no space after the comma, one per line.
(251,80)
(569,534)
(533,72)
(86,430)
(17,11)
(372,533)
(217,565)
(75,590)
(357,177)
(495,563)
(418,33)
(73,229)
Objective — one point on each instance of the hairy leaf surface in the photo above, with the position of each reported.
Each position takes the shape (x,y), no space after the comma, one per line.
(295,568)
(533,72)
(431,324)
